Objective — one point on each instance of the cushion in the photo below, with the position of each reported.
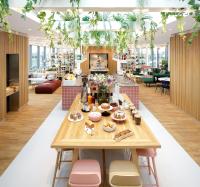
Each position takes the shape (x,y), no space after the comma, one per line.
(86,173)
(48,87)
(124,173)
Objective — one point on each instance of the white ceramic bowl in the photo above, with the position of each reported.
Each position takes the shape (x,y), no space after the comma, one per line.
(94,116)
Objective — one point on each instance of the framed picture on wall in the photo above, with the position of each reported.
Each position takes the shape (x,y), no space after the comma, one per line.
(98,60)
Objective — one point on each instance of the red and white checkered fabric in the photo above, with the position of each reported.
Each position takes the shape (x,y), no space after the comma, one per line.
(68,95)
(132,92)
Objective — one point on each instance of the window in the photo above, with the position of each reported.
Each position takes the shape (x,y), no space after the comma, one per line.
(34,57)
(42,57)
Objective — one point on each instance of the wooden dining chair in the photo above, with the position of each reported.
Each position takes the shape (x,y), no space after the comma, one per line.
(59,161)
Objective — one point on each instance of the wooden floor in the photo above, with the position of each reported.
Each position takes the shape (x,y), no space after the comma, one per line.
(184,128)
(18,127)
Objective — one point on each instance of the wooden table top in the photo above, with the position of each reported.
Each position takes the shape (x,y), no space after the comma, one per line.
(73,135)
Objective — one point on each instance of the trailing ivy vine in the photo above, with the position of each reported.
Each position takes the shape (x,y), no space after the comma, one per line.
(4,12)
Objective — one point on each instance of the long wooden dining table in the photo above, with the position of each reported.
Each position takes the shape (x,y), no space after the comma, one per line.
(72,135)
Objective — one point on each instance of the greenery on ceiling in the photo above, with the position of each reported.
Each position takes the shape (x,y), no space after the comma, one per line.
(194,7)
(67,30)
(4,12)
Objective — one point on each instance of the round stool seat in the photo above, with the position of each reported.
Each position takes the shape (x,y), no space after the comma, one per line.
(150,152)
(85,173)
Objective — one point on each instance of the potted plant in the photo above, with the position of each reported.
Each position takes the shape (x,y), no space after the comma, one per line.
(131,18)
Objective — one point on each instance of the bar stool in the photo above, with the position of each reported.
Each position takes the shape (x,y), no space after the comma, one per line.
(149,153)
(59,161)
(85,173)
(123,173)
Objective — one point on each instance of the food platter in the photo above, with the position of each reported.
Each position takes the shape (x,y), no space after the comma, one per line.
(75,120)
(109,127)
(117,119)
(102,109)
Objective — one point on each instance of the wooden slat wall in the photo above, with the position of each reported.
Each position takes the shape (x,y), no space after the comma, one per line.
(112,65)
(19,44)
(185,74)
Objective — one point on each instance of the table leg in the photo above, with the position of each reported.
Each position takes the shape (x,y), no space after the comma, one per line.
(75,156)
(56,167)
(103,168)
(135,160)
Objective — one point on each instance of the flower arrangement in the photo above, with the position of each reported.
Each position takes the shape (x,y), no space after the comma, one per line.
(101,79)
(102,85)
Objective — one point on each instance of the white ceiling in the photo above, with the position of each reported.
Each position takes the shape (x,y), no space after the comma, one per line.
(31,28)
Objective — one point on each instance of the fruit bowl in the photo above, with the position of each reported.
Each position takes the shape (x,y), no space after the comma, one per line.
(94,116)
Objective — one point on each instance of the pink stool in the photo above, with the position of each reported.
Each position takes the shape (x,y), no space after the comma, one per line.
(85,173)
(149,153)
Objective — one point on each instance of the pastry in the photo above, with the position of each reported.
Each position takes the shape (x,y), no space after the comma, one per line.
(75,116)
(89,125)
(105,106)
(123,134)
(119,114)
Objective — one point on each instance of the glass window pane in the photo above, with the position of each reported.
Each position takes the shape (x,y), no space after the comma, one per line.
(34,58)
(42,60)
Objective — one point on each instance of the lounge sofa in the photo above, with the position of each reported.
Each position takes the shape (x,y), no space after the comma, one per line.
(48,87)
(38,78)
(153,79)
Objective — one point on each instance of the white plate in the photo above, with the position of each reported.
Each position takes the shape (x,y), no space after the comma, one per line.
(119,120)
(99,107)
(75,120)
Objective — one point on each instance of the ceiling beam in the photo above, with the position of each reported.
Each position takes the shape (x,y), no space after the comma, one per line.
(105,5)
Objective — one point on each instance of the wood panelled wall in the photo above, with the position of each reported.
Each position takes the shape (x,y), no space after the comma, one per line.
(185,74)
(112,65)
(18,45)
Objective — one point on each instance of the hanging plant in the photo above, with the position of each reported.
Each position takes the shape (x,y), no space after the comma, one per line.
(47,24)
(86,18)
(29,6)
(96,35)
(75,3)
(164,17)
(85,39)
(131,18)
(180,23)
(195,7)
(4,12)
(67,16)
(122,41)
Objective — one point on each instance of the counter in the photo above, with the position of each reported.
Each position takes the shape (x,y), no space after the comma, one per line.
(130,88)
(70,88)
